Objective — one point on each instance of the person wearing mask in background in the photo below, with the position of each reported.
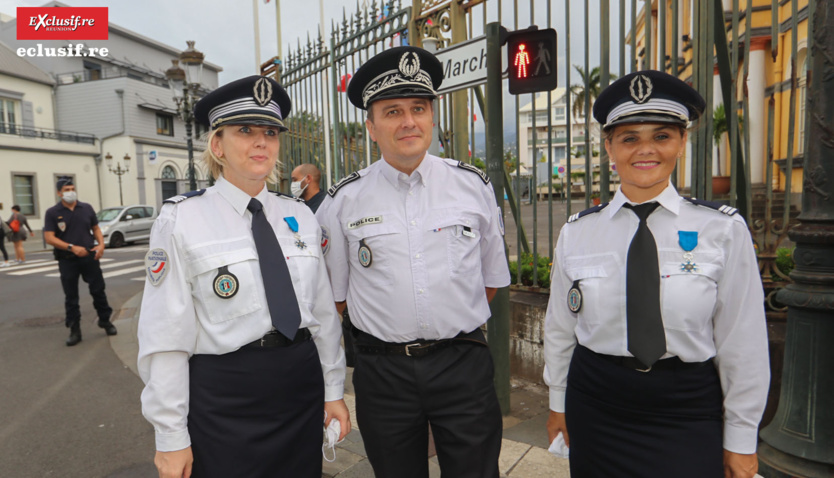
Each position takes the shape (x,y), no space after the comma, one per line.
(416,251)
(306,184)
(239,340)
(71,227)
(656,350)
(18,220)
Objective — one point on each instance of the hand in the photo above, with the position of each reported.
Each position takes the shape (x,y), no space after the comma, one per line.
(99,251)
(737,465)
(556,424)
(79,251)
(174,464)
(337,409)
(31,234)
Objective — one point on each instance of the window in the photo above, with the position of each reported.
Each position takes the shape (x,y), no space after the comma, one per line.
(92,71)
(559,112)
(164,124)
(23,186)
(136,212)
(169,182)
(8,116)
(803,92)
(558,153)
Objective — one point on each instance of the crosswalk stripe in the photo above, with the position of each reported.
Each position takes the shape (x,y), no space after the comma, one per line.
(124,271)
(39,268)
(106,266)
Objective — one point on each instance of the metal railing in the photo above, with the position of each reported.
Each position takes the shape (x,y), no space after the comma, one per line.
(43,133)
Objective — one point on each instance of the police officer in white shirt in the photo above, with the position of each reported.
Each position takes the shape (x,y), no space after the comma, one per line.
(239,340)
(656,346)
(415,247)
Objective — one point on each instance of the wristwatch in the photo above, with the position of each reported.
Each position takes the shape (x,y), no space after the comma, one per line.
(69,247)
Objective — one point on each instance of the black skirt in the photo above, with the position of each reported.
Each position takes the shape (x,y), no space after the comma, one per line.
(629,424)
(257,413)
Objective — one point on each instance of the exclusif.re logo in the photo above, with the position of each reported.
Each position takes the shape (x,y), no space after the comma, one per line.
(62,23)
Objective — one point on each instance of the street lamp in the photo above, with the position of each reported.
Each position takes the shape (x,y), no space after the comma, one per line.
(118,171)
(184,85)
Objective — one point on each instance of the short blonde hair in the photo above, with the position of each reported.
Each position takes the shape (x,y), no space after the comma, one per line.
(216,164)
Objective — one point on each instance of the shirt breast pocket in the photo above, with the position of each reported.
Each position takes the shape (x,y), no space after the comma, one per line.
(370,252)
(303,264)
(599,285)
(240,291)
(688,298)
(463,238)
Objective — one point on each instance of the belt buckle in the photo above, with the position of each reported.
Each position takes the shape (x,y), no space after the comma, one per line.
(407,351)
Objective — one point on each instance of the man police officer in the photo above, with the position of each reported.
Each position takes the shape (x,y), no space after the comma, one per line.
(415,247)
(67,227)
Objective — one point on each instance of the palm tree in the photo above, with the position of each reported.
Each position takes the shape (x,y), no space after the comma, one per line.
(720,125)
(593,84)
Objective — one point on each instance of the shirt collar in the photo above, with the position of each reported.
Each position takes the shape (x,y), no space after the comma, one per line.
(393,175)
(236,197)
(668,198)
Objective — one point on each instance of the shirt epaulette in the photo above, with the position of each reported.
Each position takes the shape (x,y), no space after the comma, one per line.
(347,179)
(584,213)
(182,197)
(286,196)
(728,210)
(475,170)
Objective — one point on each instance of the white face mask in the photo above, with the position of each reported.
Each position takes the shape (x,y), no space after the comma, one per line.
(296,190)
(70,196)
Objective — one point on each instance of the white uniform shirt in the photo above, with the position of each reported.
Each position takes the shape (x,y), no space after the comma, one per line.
(716,311)
(436,242)
(182,315)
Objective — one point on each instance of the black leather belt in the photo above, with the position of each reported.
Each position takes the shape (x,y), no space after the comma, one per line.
(277,339)
(368,344)
(671,363)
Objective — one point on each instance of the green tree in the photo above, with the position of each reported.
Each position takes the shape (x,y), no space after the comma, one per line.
(720,125)
(593,82)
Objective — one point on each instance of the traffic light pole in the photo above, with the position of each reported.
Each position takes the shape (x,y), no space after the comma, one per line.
(498,327)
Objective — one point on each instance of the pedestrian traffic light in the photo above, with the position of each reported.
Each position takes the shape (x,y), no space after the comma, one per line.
(531,60)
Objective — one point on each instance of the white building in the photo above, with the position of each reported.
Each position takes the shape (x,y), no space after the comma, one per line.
(560,114)
(123,101)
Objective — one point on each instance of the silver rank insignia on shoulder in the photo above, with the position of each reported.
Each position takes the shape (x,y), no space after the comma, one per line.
(366,257)
(575,298)
(225,283)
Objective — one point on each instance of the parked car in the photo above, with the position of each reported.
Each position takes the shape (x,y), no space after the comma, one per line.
(122,225)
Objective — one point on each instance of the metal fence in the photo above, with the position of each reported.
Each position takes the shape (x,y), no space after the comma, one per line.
(719,46)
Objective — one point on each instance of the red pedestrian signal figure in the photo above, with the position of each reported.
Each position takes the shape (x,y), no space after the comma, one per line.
(522,59)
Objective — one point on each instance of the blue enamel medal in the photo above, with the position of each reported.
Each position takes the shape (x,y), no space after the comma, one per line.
(688,240)
(225,283)
(293,223)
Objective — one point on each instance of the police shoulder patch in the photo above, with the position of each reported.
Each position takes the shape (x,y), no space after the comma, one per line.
(723,208)
(579,215)
(478,171)
(182,197)
(286,196)
(347,179)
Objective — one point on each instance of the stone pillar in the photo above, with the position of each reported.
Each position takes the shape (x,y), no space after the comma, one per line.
(756,107)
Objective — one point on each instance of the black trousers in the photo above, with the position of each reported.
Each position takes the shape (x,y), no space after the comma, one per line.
(397,397)
(257,413)
(629,424)
(3,247)
(88,269)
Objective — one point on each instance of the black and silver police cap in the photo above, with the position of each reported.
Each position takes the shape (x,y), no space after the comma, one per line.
(401,72)
(254,100)
(648,96)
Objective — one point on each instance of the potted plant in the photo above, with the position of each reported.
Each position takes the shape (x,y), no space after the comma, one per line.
(595,198)
(720,124)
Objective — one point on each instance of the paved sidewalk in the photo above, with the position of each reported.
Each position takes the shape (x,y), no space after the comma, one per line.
(523,452)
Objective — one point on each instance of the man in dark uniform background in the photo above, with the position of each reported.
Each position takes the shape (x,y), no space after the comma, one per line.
(306,184)
(70,227)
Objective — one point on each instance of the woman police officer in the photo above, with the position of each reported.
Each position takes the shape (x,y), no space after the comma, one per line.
(655,336)
(238,335)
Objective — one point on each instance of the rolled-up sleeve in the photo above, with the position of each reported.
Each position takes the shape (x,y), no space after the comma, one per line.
(740,333)
(167,334)
(559,329)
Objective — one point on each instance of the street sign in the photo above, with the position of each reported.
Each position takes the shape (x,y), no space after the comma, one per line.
(464,65)
(531,57)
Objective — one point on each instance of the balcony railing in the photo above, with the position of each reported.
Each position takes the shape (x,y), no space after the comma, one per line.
(108,73)
(43,133)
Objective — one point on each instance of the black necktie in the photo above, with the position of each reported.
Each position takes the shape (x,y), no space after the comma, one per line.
(646,338)
(280,294)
